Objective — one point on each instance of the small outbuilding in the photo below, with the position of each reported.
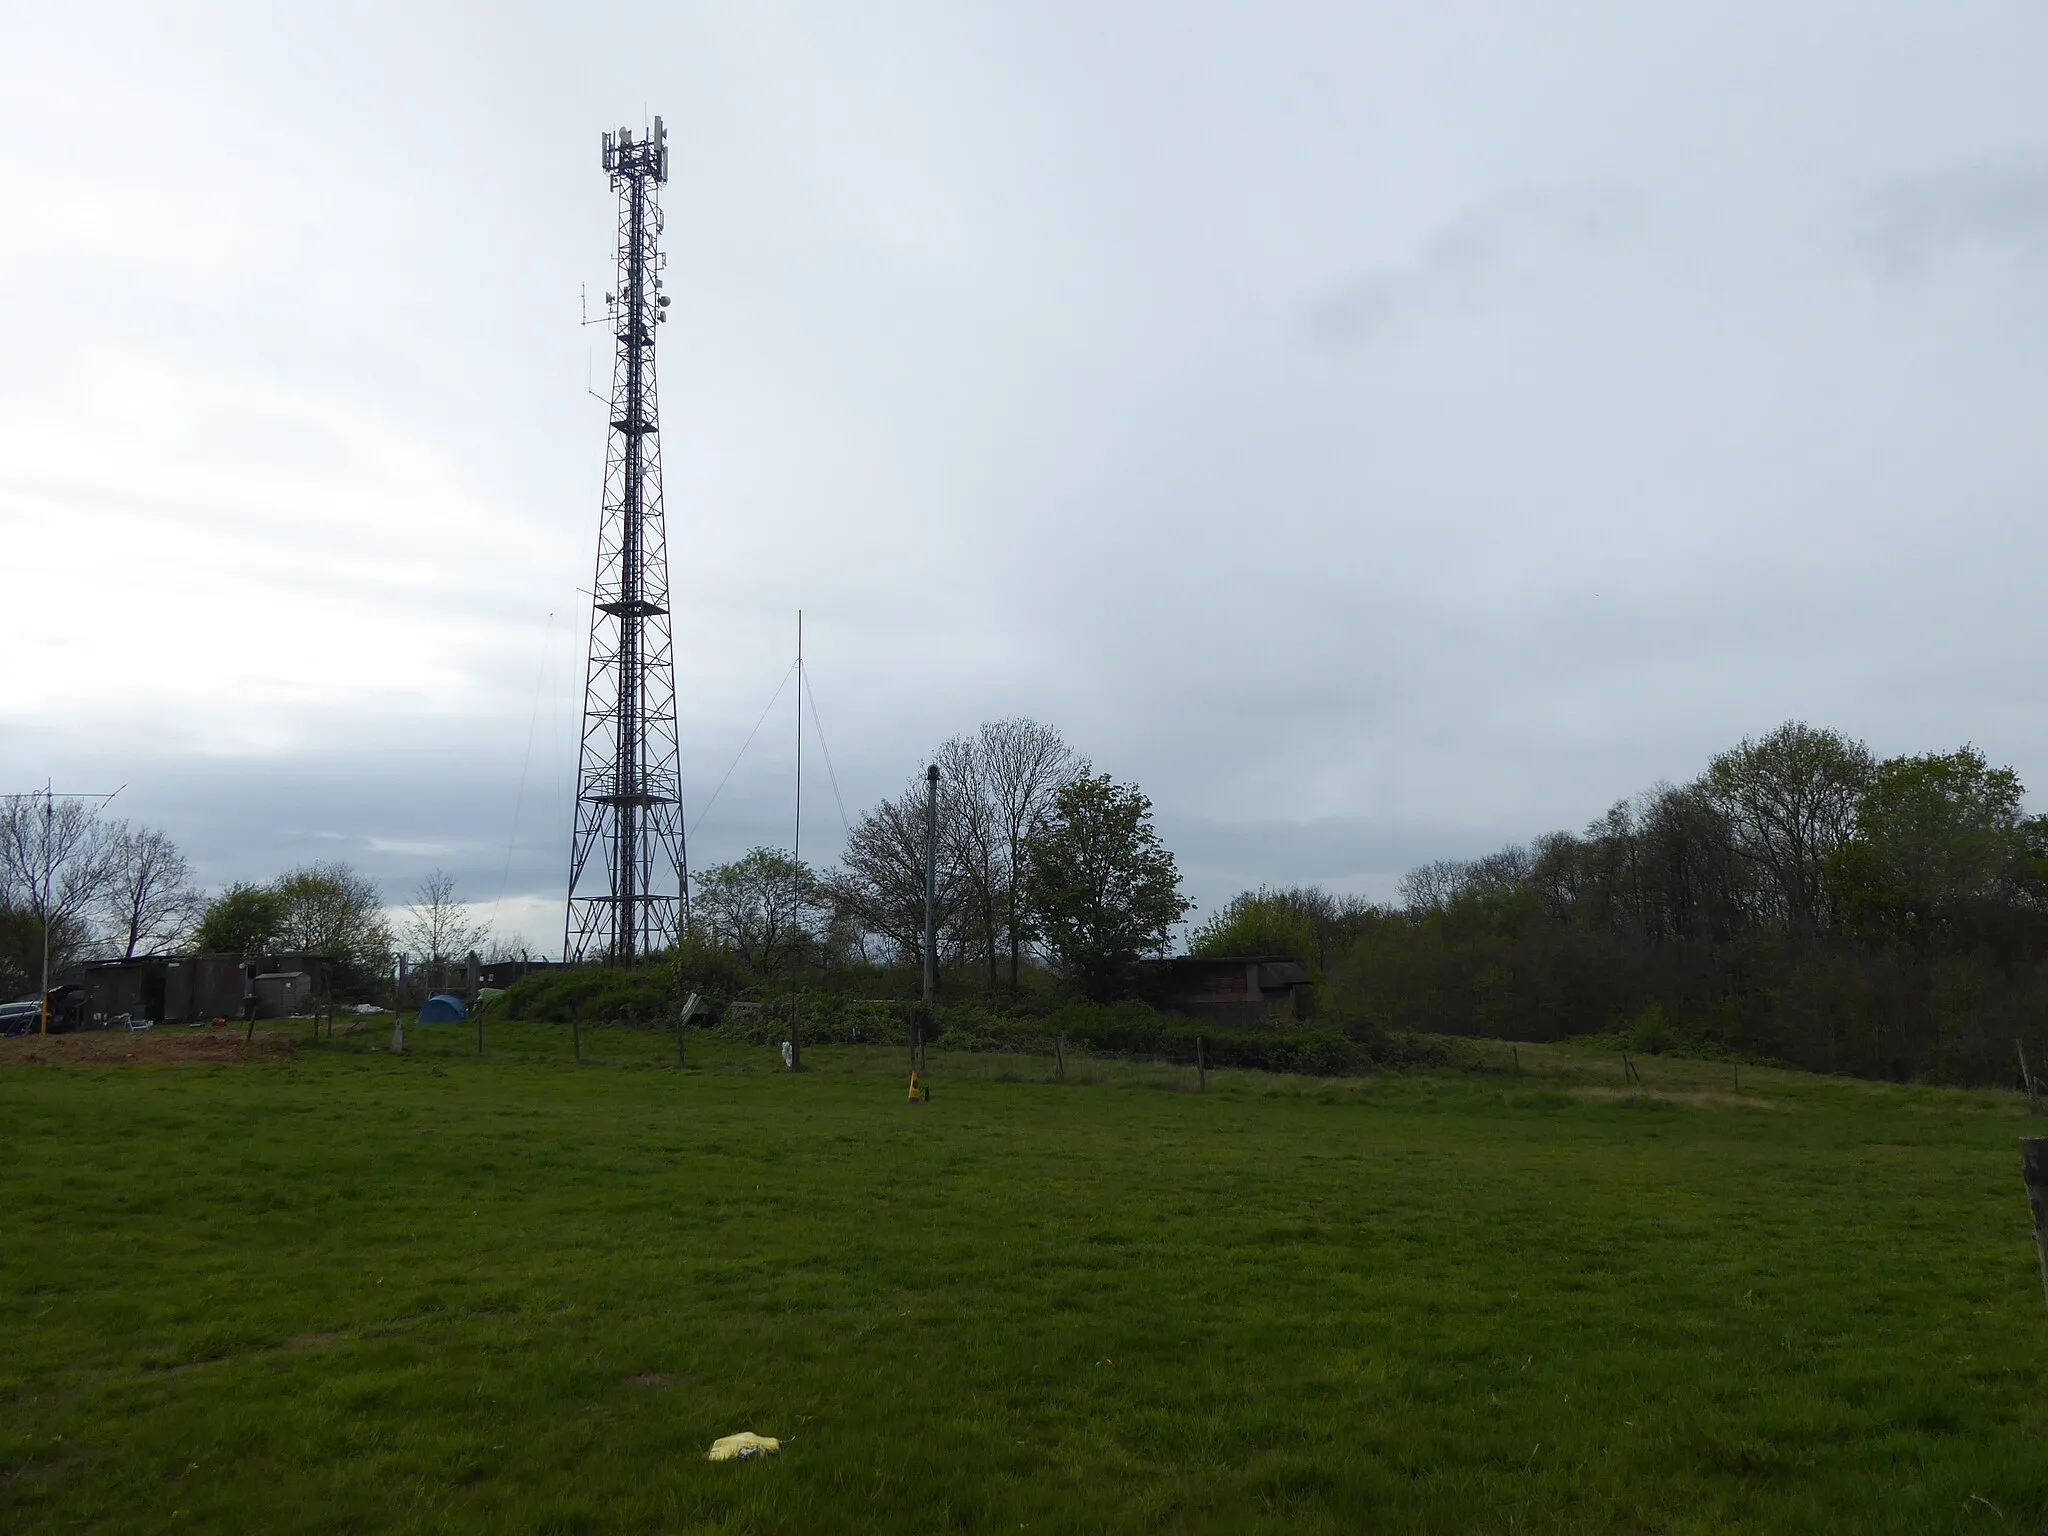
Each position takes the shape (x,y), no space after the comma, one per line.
(1230,989)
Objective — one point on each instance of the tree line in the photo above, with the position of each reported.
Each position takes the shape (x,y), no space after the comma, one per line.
(105,889)
(1800,900)
(1039,857)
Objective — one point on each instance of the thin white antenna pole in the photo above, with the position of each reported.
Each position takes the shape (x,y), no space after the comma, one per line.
(796,852)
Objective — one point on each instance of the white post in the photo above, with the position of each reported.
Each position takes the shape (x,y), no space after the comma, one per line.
(397,1007)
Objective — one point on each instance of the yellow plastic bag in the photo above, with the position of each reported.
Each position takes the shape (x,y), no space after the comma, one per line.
(741,1446)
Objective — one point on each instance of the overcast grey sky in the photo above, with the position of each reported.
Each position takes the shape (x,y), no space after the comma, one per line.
(1381,431)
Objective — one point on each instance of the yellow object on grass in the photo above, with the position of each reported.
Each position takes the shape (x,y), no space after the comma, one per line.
(742,1445)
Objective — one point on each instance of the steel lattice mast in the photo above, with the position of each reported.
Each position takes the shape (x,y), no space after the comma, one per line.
(628,878)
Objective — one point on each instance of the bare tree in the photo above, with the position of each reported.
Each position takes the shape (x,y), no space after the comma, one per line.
(149,902)
(1432,887)
(56,857)
(880,881)
(437,927)
(973,845)
(1025,765)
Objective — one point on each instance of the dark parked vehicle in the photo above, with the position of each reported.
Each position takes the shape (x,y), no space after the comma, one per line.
(67,1012)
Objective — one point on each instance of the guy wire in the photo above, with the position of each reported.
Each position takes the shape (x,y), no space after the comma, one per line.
(742,751)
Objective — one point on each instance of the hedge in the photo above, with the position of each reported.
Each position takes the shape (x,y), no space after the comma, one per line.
(598,995)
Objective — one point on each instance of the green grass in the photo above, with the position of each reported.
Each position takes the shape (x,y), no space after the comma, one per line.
(353,1292)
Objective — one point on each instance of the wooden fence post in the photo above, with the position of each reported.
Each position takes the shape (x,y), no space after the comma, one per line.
(1516,1052)
(2026,1077)
(1059,1056)
(2034,1169)
(1201,1066)
(576,1034)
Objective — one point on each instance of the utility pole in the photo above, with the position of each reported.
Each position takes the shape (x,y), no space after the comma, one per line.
(49,833)
(43,997)
(931,885)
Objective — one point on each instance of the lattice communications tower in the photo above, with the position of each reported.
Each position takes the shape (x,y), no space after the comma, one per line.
(628,877)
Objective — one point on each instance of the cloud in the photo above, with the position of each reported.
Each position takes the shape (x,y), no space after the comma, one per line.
(1198,381)
(1997,202)
(1465,264)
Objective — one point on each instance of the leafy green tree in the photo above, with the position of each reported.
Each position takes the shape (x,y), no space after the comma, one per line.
(335,910)
(240,920)
(1936,836)
(1262,922)
(21,952)
(1790,803)
(1103,888)
(765,908)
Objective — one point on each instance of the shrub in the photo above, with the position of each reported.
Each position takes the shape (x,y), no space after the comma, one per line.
(593,994)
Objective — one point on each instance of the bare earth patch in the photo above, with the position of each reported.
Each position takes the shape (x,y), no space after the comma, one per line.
(172,1044)
(1697,1098)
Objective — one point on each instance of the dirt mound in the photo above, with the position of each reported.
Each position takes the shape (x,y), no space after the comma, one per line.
(165,1043)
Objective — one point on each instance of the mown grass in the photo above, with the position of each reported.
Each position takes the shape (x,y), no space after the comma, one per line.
(355,1292)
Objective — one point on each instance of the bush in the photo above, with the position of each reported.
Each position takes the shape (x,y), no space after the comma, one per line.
(1261,922)
(1652,1032)
(593,994)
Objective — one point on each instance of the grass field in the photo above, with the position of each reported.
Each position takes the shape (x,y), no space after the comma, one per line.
(338,1290)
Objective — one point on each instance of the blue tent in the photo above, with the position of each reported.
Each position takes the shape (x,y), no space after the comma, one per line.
(443,1008)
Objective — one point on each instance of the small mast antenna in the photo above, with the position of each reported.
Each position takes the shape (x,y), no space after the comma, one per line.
(796,860)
